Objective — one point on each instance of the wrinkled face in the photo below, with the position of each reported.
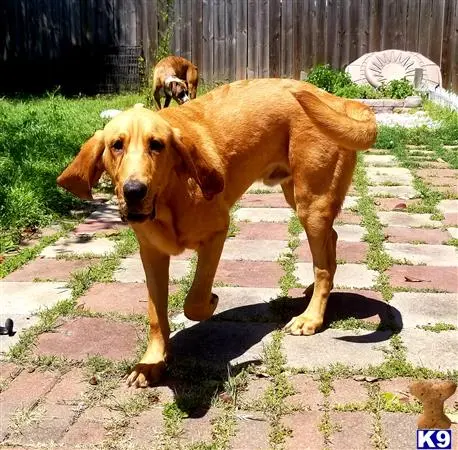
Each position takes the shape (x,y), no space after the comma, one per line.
(139,156)
(179,92)
(139,150)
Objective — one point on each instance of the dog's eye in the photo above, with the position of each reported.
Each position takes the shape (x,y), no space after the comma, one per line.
(118,145)
(156,145)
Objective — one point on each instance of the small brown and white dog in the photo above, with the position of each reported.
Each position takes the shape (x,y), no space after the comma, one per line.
(174,77)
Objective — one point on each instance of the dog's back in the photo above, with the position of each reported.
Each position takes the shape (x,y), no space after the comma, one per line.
(174,66)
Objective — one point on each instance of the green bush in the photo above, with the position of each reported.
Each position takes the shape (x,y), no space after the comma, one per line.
(397,89)
(339,83)
(329,79)
(358,91)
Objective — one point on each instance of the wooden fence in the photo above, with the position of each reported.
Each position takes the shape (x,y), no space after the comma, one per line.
(235,39)
(101,45)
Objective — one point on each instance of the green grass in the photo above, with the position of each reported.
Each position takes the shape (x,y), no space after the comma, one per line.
(377,258)
(272,402)
(176,300)
(438,327)
(39,137)
(289,259)
(233,228)
(395,138)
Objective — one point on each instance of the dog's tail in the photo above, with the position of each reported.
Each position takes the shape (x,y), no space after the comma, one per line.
(350,123)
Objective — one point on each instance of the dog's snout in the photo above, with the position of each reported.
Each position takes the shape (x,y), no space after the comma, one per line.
(134,191)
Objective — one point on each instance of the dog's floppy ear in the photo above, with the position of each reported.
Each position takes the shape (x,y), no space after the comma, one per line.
(85,170)
(204,168)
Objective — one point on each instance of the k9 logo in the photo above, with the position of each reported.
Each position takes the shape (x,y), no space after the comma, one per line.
(434,439)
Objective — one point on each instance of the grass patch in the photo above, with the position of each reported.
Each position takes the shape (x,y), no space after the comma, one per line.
(39,138)
(374,405)
(176,300)
(272,402)
(452,241)
(352,323)
(326,427)
(173,418)
(233,228)
(102,271)
(377,258)
(23,417)
(438,327)
(288,260)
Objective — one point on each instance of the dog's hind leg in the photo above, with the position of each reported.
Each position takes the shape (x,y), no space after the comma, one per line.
(200,302)
(288,192)
(322,238)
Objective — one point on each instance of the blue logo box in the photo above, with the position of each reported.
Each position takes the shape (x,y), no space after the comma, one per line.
(434,439)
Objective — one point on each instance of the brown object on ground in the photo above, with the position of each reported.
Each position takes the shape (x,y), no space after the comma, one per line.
(432,394)
(179,171)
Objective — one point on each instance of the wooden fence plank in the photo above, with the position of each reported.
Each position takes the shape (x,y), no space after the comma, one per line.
(241,39)
(230,27)
(375,25)
(177,28)
(331,42)
(263,36)
(363,38)
(412,25)
(298,17)
(286,39)
(307,52)
(354,28)
(424,34)
(197,33)
(449,60)
(186,32)
(207,41)
(252,60)
(437,30)
(274,37)
(220,39)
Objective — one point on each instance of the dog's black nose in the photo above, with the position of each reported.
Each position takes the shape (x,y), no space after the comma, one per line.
(134,191)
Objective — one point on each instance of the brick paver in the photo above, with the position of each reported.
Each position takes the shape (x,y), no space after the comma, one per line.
(47,269)
(424,277)
(356,276)
(79,245)
(431,255)
(89,336)
(64,407)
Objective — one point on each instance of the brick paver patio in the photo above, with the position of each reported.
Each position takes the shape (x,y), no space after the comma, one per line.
(234,381)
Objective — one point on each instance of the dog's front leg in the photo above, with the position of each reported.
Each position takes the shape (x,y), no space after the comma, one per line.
(168,99)
(200,303)
(157,98)
(152,364)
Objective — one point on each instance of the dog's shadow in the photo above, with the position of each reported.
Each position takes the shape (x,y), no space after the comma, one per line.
(203,355)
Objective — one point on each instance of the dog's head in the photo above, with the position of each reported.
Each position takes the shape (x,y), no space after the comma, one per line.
(178,89)
(139,150)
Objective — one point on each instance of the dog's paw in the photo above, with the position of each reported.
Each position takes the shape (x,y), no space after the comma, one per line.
(144,375)
(302,325)
(200,310)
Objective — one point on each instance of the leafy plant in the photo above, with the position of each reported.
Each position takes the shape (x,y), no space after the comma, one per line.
(339,83)
(358,91)
(329,79)
(397,89)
